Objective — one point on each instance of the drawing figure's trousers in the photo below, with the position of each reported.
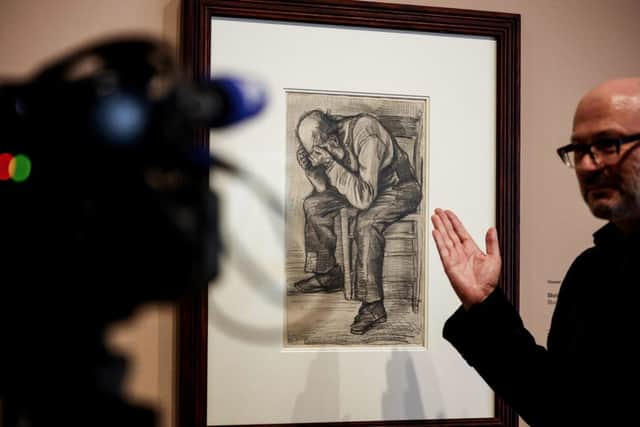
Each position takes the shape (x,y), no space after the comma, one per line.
(321,208)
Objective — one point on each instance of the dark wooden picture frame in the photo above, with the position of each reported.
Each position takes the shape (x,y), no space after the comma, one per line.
(504,28)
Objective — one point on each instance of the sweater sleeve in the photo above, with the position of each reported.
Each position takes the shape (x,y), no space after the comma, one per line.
(492,339)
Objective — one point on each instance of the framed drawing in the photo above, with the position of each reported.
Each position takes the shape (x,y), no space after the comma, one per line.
(330,309)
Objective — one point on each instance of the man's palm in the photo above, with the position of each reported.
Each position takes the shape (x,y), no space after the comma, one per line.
(473,274)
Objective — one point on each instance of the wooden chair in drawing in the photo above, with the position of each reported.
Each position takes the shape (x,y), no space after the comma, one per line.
(404,252)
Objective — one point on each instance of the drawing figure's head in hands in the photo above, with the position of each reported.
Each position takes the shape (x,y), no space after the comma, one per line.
(317,131)
(605,151)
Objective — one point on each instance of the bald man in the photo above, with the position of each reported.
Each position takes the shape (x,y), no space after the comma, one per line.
(355,163)
(580,378)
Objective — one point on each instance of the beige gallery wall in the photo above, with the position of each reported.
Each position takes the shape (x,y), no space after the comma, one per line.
(567,47)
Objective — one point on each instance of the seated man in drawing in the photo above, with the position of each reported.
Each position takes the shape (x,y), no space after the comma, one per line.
(352,162)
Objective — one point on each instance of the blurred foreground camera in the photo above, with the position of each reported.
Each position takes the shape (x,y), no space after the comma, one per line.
(106,205)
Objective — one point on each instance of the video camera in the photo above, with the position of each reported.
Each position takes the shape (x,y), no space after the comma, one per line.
(106,205)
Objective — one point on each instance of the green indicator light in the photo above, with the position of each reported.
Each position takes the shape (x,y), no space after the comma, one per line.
(20,168)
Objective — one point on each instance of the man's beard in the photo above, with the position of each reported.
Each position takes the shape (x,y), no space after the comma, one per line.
(602,211)
(624,204)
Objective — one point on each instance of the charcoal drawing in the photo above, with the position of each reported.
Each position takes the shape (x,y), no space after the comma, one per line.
(355,219)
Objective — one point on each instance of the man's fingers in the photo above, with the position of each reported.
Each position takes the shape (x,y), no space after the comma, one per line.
(443,249)
(314,158)
(448,226)
(302,155)
(438,225)
(461,231)
(493,245)
(303,160)
(443,224)
(446,247)
(457,225)
(320,153)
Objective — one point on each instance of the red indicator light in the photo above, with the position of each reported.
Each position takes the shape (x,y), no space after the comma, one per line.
(5,161)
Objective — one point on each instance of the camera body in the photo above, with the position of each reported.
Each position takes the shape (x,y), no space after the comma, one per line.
(110,208)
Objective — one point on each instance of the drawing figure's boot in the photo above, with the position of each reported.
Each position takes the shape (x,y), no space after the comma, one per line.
(369,315)
(331,281)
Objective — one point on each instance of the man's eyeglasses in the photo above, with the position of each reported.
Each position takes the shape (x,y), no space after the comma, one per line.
(602,151)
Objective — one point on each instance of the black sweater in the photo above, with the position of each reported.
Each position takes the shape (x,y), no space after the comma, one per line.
(588,373)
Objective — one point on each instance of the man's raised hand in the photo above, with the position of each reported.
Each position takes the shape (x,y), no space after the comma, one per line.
(473,274)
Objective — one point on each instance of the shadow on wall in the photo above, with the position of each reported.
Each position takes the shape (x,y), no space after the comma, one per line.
(323,375)
(403,399)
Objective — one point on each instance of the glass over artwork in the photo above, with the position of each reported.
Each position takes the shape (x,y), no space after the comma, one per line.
(355,219)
